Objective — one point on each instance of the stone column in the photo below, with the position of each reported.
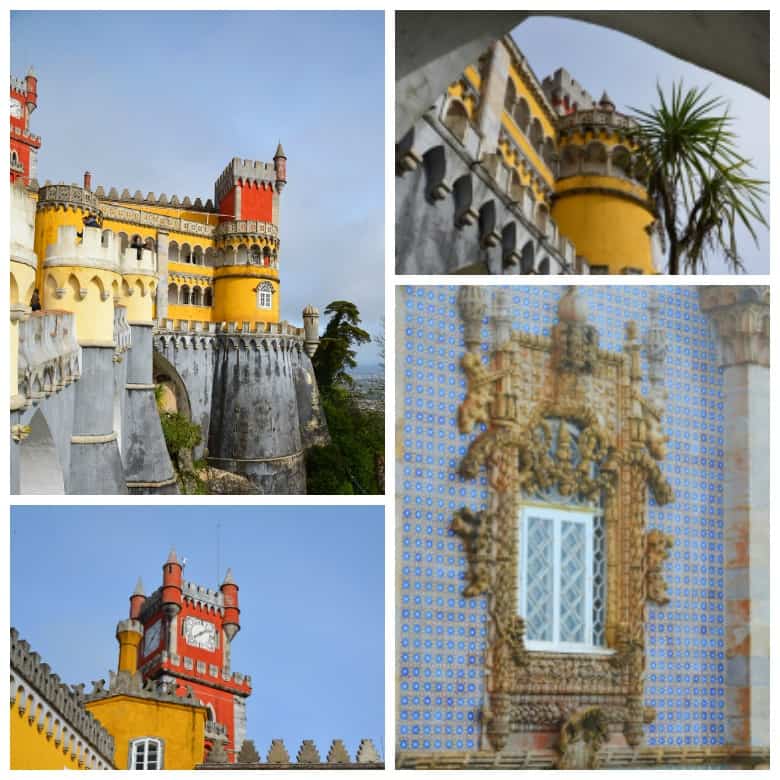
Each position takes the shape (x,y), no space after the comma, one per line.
(162,275)
(492,99)
(148,467)
(740,316)
(95,463)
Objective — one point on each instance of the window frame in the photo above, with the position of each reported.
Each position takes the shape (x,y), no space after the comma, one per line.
(265,289)
(585,516)
(145,741)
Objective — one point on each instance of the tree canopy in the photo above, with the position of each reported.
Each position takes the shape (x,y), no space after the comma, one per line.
(697,179)
(336,352)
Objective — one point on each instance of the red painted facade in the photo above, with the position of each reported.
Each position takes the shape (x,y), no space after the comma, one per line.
(257,202)
(171,606)
(24,145)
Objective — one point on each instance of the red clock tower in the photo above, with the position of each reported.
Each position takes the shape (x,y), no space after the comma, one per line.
(24,145)
(188,630)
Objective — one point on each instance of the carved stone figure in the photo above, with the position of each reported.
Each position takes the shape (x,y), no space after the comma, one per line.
(582,736)
(658,546)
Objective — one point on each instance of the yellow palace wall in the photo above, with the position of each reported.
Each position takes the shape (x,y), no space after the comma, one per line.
(33,749)
(180,727)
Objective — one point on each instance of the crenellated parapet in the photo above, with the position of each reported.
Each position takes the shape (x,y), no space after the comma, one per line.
(308,756)
(123,683)
(68,197)
(150,199)
(250,172)
(55,709)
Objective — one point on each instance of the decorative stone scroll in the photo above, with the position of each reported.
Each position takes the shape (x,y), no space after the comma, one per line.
(562,418)
(139,217)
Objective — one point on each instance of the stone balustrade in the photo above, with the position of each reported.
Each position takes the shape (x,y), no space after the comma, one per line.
(596,117)
(49,354)
(214,328)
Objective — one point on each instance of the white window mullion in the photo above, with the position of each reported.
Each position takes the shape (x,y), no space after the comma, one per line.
(588,581)
(556,633)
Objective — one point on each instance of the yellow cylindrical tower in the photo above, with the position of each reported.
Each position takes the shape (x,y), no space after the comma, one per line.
(246,276)
(600,202)
(137,291)
(129,634)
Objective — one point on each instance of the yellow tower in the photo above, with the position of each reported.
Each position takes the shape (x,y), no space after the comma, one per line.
(600,202)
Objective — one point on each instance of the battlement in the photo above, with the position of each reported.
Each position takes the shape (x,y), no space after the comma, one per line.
(98,248)
(565,93)
(240,171)
(57,708)
(67,196)
(150,199)
(203,597)
(308,756)
(124,683)
(18,86)
(34,140)
(215,328)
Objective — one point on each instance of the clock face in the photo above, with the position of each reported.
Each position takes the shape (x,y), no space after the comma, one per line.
(16,108)
(152,637)
(200,633)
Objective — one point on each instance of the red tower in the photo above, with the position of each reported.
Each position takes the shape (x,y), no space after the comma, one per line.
(249,189)
(24,145)
(188,630)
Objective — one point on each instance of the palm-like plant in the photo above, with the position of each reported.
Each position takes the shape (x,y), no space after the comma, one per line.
(696,178)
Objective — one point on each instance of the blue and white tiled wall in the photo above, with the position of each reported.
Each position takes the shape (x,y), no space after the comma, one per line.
(441,635)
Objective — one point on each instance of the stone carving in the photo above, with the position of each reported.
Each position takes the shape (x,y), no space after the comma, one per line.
(20,432)
(659,545)
(582,736)
(308,753)
(278,754)
(248,754)
(217,754)
(338,753)
(474,530)
(569,421)
(367,753)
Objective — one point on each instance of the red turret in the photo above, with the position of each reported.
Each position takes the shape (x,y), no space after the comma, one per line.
(31,83)
(137,600)
(171,589)
(230,621)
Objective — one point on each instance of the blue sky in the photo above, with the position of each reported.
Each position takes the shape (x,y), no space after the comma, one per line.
(161,102)
(629,70)
(311,592)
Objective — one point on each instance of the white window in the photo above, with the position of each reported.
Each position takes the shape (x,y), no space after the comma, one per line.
(265,292)
(146,753)
(561,584)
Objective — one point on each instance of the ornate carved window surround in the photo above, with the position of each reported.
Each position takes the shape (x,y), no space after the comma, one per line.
(588,698)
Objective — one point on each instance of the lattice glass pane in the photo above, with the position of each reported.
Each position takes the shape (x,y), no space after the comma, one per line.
(599,580)
(572,607)
(539,579)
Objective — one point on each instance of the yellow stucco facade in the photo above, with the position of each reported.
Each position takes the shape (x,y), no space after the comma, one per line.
(179,727)
(33,747)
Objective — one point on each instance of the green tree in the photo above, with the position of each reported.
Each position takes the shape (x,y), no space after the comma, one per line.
(697,179)
(336,352)
(348,465)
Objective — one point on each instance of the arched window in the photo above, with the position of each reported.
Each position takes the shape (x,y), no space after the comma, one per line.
(207,299)
(510,98)
(537,135)
(195,299)
(146,753)
(184,295)
(522,115)
(255,255)
(197,255)
(173,294)
(265,292)
(173,252)
(185,254)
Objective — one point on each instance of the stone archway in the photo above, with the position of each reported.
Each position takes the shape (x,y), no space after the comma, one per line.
(175,397)
(40,471)
(434,47)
